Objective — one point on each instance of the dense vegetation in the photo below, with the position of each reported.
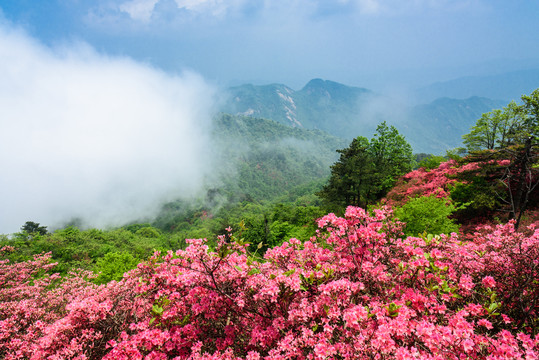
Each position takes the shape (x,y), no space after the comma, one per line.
(448,271)
(367,170)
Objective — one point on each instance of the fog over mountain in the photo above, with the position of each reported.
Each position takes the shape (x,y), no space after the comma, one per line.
(108,105)
(348,112)
(83,135)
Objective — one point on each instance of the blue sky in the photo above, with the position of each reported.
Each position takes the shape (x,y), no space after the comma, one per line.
(369,43)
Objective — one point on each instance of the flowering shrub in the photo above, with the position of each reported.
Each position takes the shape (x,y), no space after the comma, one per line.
(439,181)
(423,182)
(356,290)
(44,316)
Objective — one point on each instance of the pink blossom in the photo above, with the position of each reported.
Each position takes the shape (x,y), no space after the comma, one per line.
(489,282)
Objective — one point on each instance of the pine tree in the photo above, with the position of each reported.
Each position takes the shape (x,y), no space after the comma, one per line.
(366,170)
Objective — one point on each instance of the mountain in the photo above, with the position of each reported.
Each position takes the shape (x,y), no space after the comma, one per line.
(258,162)
(439,125)
(347,112)
(507,86)
(261,159)
(275,101)
(321,104)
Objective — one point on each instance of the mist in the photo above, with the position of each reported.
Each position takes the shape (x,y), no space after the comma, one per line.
(99,138)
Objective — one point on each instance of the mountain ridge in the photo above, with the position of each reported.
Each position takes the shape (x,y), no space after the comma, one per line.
(349,111)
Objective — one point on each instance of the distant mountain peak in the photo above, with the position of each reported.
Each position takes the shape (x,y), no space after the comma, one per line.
(315,83)
(348,111)
(328,84)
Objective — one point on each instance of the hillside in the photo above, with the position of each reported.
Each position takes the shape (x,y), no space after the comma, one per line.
(261,159)
(347,112)
(321,104)
(439,125)
(259,163)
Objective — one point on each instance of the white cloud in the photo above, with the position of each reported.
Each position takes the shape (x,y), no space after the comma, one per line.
(197,4)
(139,9)
(85,135)
(142,10)
(369,6)
(399,7)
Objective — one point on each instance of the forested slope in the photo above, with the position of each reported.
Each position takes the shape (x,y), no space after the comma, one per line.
(418,274)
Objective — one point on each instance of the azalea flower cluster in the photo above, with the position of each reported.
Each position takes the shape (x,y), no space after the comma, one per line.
(45,316)
(421,182)
(356,290)
(437,182)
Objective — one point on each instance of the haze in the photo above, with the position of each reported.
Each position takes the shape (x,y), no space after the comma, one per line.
(106,104)
(86,136)
(367,43)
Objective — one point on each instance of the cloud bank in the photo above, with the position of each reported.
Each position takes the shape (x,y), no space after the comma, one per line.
(142,10)
(83,135)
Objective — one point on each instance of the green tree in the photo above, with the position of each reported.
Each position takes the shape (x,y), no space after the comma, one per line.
(430,162)
(367,170)
(350,177)
(521,177)
(31,231)
(510,134)
(31,227)
(492,130)
(392,157)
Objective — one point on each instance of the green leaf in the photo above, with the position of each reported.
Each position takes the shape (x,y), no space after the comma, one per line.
(185,319)
(290,272)
(157,309)
(493,307)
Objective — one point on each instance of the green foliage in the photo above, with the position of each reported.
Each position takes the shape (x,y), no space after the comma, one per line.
(476,197)
(510,137)
(267,159)
(31,227)
(427,214)
(455,154)
(492,130)
(500,129)
(148,232)
(431,162)
(366,171)
(391,155)
(350,177)
(113,265)
(75,248)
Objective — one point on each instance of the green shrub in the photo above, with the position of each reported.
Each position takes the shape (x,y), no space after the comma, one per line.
(427,214)
(113,265)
